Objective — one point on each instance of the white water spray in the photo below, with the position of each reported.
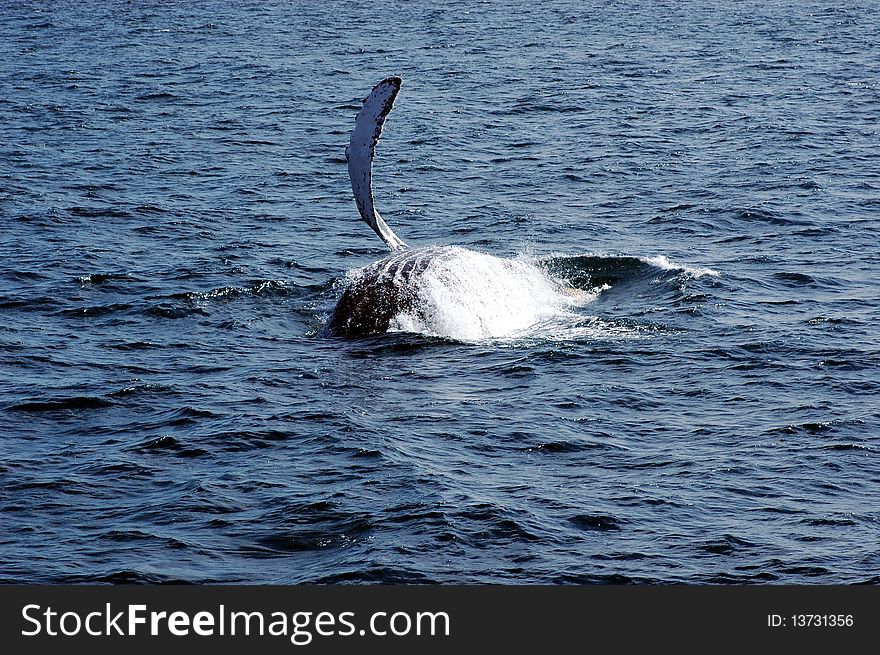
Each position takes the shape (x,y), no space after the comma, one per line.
(472,296)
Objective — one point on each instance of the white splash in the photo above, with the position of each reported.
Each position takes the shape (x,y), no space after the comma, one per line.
(472,296)
(662,262)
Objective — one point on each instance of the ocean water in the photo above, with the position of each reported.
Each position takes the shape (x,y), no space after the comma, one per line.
(673,376)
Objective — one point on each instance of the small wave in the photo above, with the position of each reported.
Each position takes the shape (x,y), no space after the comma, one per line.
(830,522)
(528,107)
(795,279)
(833,321)
(590,328)
(598,522)
(173,311)
(159,96)
(756,215)
(554,447)
(122,577)
(256,288)
(677,208)
(101,278)
(61,404)
(376,574)
(96,310)
(147,345)
(142,388)
(596,272)
(29,275)
(169,444)
(308,527)
(98,212)
(662,262)
(728,544)
(826,428)
(150,209)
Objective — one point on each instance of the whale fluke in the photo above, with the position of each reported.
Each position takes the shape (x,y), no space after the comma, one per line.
(360,151)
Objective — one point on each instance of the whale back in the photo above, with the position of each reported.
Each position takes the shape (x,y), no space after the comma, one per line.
(377,293)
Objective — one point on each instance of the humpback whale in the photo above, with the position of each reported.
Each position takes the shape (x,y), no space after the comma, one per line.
(378,295)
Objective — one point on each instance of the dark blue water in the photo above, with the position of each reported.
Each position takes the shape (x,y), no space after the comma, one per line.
(177,224)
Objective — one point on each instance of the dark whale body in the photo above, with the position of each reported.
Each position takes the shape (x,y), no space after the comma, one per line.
(387,288)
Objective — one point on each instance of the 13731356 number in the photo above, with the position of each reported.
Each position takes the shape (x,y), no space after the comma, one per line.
(822,620)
